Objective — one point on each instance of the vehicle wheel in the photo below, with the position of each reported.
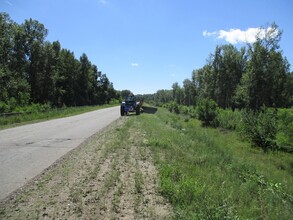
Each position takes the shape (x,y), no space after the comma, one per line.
(122,112)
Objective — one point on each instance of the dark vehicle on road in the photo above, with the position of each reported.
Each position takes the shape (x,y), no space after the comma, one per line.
(130,104)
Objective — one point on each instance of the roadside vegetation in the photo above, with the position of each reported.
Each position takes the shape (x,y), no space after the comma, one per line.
(36,113)
(202,173)
(248,90)
(36,71)
(268,128)
(209,173)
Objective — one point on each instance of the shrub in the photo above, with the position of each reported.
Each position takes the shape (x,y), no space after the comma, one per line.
(184,109)
(207,110)
(172,107)
(114,101)
(285,129)
(260,128)
(33,108)
(228,119)
(3,107)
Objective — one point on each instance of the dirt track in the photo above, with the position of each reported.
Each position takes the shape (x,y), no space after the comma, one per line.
(111,176)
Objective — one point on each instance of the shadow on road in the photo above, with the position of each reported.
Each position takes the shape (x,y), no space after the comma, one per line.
(149,110)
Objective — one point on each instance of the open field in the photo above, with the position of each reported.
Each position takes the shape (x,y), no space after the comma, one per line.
(160,166)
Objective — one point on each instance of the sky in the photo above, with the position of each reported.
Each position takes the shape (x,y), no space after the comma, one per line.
(147,45)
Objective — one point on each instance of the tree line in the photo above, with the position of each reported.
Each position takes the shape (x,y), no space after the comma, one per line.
(250,77)
(33,70)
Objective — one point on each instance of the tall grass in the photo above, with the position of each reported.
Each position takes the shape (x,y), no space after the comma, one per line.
(208,174)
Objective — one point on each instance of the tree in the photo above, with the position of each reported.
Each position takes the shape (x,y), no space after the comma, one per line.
(125,93)
(13,85)
(218,79)
(177,93)
(66,92)
(6,36)
(189,92)
(163,96)
(33,70)
(83,79)
(267,74)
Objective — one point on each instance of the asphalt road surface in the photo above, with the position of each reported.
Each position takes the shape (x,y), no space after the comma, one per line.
(27,150)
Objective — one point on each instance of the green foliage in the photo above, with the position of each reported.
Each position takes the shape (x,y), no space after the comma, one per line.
(285,129)
(207,111)
(251,77)
(33,70)
(206,174)
(172,107)
(4,107)
(267,77)
(39,112)
(228,119)
(177,187)
(221,75)
(114,101)
(260,128)
(163,96)
(34,108)
(178,94)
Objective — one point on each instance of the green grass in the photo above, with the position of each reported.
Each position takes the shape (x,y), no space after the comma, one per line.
(16,120)
(209,174)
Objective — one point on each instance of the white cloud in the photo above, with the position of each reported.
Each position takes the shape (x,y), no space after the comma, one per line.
(134,64)
(235,36)
(208,34)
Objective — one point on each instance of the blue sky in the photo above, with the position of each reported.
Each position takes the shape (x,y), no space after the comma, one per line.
(147,45)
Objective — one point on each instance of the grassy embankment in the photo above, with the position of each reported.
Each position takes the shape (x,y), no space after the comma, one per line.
(210,174)
(205,173)
(39,114)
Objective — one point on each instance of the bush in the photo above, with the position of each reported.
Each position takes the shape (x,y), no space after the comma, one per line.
(4,107)
(260,128)
(285,129)
(114,101)
(228,119)
(33,108)
(207,111)
(184,109)
(172,107)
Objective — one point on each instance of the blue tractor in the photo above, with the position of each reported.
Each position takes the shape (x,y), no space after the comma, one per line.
(130,104)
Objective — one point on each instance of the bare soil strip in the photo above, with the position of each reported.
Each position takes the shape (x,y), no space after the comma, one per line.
(112,176)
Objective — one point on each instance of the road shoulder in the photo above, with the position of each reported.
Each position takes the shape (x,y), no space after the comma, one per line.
(111,175)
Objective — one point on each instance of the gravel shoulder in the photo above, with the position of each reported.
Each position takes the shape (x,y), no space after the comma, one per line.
(110,176)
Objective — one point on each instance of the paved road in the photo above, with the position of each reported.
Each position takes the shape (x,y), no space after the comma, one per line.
(27,150)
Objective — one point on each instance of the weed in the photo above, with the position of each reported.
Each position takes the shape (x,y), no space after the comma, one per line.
(138,181)
(117,196)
